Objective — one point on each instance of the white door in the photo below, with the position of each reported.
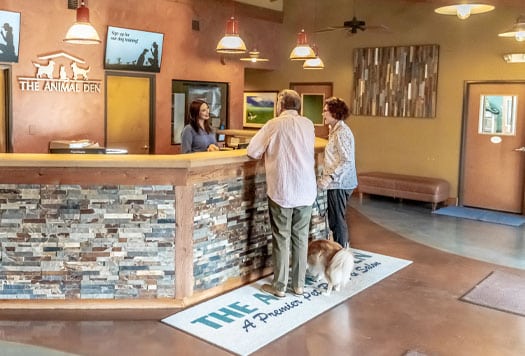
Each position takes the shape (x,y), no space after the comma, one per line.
(4,110)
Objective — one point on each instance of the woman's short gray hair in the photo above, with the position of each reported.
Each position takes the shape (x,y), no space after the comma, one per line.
(288,99)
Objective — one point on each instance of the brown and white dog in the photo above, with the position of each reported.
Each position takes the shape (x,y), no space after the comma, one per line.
(327,259)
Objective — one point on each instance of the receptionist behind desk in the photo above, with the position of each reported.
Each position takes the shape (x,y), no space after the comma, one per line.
(197,135)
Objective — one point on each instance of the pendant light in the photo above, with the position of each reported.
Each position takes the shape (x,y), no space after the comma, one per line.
(254,57)
(309,54)
(82,32)
(231,42)
(463,11)
(302,50)
(517,30)
(315,63)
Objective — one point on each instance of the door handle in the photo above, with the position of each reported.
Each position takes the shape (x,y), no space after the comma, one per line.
(521,149)
(145,147)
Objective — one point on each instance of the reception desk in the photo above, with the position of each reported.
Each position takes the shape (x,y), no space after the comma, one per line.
(133,227)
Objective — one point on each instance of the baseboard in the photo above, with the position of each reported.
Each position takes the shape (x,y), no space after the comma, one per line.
(91,304)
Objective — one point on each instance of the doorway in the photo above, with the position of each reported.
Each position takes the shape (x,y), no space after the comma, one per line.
(5,109)
(130,112)
(493,149)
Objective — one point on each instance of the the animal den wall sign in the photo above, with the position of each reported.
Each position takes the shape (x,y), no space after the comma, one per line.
(396,81)
(60,72)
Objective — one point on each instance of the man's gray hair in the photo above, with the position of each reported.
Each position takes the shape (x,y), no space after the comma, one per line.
(288,99)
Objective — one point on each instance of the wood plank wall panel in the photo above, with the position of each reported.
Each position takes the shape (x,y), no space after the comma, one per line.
(396,81)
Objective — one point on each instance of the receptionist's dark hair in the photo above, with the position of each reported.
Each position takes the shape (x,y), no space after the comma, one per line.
(337,107)
(193,116)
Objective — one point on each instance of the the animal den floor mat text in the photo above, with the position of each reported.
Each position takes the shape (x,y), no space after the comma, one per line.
(246,319)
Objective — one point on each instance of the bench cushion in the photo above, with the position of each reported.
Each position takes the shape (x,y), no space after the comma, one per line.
(394,185)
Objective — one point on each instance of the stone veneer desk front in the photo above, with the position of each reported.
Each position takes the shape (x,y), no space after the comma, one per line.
(124,228)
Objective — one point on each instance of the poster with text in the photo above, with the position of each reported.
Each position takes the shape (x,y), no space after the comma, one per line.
(133,50)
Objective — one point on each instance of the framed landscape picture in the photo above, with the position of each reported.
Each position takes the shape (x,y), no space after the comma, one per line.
(259,107)
(9,36)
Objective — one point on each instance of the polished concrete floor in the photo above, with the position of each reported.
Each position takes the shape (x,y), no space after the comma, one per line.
(415,311)
(499,244)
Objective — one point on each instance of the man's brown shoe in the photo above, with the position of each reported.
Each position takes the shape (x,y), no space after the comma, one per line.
(268,288)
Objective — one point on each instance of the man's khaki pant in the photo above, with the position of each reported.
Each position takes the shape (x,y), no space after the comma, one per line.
(289,225)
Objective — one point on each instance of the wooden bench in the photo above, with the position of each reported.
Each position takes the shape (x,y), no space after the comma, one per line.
(432,190)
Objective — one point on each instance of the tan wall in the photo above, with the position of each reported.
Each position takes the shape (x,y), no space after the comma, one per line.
(189,55)
(469,50)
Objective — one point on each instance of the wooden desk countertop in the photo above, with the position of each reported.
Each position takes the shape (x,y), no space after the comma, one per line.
(188,161)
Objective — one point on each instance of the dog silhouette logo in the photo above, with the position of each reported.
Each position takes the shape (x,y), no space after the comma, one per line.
(45,69)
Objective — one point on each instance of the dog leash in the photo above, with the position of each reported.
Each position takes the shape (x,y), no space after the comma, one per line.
(323,215)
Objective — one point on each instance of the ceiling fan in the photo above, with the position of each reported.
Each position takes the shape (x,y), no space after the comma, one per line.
(353,26)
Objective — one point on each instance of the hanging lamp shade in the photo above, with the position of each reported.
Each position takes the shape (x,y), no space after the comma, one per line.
(302,50)
(254,57)
(517,30)
(231,42)
(82,32)
(315,63)
(463,11)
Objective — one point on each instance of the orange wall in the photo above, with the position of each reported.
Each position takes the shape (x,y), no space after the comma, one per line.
(39,117)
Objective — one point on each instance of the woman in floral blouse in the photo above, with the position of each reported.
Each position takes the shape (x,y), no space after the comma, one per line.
(339,176)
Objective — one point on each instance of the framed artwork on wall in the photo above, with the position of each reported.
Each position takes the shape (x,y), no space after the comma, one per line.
(396,81)
(185,91)
(312,107)
(9,36)
(133,50)
(258,108)
(313,95)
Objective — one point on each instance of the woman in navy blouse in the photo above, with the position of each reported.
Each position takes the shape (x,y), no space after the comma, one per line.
(197,135)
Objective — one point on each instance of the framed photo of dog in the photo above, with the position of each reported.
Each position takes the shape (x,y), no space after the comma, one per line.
(9,36)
